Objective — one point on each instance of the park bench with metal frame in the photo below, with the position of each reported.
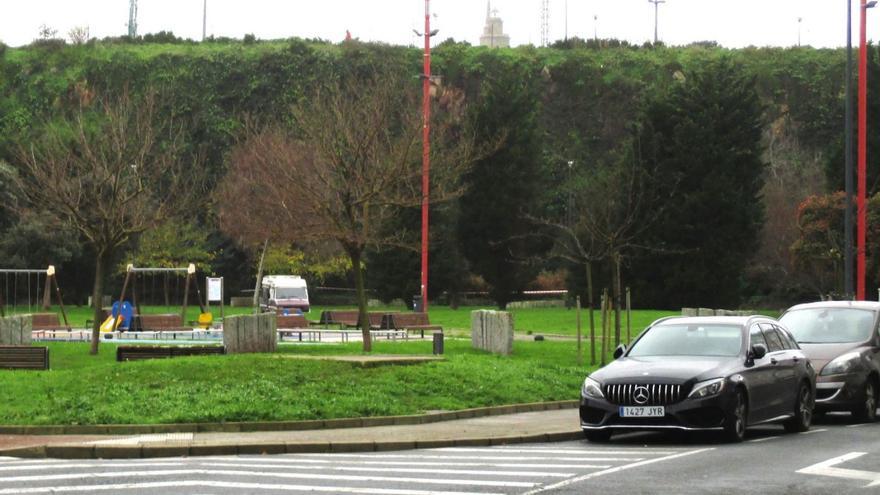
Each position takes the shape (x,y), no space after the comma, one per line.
(141,352)
(159,323)
(24,357)
(410,322)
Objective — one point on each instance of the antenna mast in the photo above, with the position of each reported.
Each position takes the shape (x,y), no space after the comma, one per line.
(132,18)
(545,22)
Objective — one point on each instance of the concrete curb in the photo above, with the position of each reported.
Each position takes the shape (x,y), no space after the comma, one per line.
(194,450)
(245,427)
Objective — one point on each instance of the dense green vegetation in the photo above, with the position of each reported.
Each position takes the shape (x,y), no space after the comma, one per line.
(584,103)
(86,390)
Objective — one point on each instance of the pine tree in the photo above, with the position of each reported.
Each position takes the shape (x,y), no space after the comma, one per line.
(703,145)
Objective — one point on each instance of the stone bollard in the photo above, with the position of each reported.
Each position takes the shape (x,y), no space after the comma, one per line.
(250,333)
(492,331)
(16,330)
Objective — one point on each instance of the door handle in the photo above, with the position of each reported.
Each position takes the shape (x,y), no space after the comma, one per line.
(795,359)
(773,361)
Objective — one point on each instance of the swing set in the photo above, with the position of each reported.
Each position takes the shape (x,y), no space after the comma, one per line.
(123,313)
(32,291)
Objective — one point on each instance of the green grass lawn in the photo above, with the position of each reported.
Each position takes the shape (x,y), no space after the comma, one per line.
(82,389)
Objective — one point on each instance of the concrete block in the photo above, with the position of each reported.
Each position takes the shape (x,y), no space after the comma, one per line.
(352,446)
(492,331)
(203,450)
(154,451)
(705,312)
(688,311)
(262,449)
(390,446)
(70,451)
(129,452)
(308,448)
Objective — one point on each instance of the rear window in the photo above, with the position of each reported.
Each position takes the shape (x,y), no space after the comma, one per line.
(829,325)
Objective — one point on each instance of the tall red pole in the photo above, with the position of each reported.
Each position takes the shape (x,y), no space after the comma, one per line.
(862,166)
(426,152)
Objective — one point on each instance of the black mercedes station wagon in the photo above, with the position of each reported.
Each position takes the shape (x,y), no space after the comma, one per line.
(702,373)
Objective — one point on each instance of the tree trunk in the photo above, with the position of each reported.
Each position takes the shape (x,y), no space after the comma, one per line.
(615,270)
(363,317)
(592,320)
(259,279)
(97,297)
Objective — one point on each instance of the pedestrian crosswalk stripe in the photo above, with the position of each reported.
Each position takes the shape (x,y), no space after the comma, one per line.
(128,465)
(300,461)
(269,474)
(560,451)
(229,485)
(398,470)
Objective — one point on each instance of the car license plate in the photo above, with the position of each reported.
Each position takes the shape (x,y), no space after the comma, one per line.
(642,412)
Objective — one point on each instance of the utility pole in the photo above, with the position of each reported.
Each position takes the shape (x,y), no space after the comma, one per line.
(566,20)
(204,19)
(863,140)
(545,22)
(656,14)
(595,27)
(132,18)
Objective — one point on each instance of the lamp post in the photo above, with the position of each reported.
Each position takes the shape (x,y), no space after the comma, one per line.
(426,149)
(848,142)
(863,139)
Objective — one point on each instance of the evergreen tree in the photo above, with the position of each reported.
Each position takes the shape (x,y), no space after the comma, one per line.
(495,235)
(702,143)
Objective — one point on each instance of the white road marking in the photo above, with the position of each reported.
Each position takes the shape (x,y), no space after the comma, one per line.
(826,468)
(762,439)
(398,470)
(266,474)
(857,425)
(230,485)
(809,432)
(128,465)
(562,451)
(489,457)
(615,470)
(285,462)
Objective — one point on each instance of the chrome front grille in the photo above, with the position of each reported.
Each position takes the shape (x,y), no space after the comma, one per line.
(643,394)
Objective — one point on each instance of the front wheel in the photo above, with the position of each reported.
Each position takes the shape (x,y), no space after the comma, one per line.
(866,412)
(803,412)
(736,419)
(597,436)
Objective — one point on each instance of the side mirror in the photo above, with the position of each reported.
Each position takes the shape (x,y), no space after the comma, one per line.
(758,351)
(620,351)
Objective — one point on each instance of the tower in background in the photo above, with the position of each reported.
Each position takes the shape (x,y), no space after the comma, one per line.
(493,33)
(132,18)
(545,22)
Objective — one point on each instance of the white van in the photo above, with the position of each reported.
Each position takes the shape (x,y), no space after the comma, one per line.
(284,293)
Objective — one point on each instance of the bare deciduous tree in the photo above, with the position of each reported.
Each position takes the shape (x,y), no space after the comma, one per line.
(353,158)
(113,170)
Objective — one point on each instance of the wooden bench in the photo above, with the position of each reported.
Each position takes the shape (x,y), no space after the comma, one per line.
(292,321)
(47,321)
(159,323)
(350,318)
(141,352)
(24,357)
(410,322)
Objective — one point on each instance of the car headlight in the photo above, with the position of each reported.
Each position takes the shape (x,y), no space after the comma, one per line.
(842,364)
(707,388)
(592,389)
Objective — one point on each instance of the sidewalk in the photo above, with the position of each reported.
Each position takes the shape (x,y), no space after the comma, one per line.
(542,426)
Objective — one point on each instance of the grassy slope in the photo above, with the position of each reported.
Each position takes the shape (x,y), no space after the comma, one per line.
(84,390)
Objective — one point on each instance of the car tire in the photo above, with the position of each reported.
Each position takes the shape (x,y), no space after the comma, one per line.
(736,420)
(803,411)
(597,436)
(867,411)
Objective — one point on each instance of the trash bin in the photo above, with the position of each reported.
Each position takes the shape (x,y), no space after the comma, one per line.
(438,343)
(417,303)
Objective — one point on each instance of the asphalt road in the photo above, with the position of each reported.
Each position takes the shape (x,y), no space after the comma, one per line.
(834,457)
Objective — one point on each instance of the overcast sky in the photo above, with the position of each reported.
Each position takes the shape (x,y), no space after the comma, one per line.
(730,23)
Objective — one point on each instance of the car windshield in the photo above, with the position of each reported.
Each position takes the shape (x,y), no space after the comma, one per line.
(829,325)
(290,293)
(689,340)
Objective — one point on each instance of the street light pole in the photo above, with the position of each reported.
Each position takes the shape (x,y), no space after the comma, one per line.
(656,13)
(426,152)
(863,139)
(848,216)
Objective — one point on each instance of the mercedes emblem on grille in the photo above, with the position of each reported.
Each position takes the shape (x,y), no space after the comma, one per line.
(640,394)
